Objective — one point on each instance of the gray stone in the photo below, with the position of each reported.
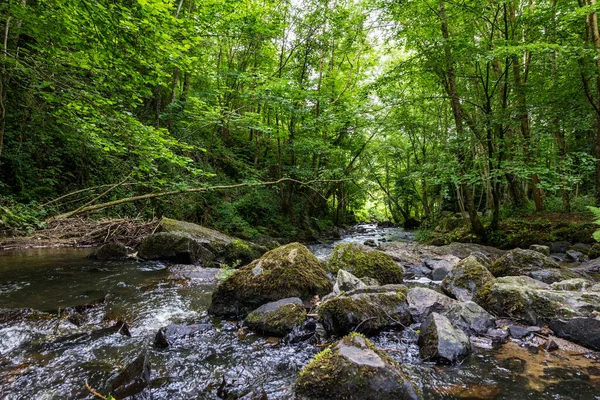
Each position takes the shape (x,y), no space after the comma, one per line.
(423,301)
(277,318)
(559,247)
(584,331)
(578,284)
(168,335)
(467,279)
(573,255)
(552,275)
(346,282)
(518,332)
(177,247)
(440,341)
(521,262)
(545,250)
(470,318)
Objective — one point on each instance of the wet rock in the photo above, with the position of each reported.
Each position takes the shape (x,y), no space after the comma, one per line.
(583,331)
(440,267)
(133,379)
(239,252)
(277,318)
(518,332)
(370,243)
(346,282)
(258,394)
(470,318)
(176,247)
(521,262)
(582,248)
(577,284)
(423,301)
(168,335)
(307,332)
(591,268)
(573,255)
(354,369)
(363,261)
(110,251)
(366,310)
(288,271)
(417,271)
(440,341)
(467,280)
(514,364)
(545,250)
(594,251)
(498,336)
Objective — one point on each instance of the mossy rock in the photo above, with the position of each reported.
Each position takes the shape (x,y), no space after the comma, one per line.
(423,301)
(576,284)
(440,341)
(362,261)
(277,318)
(471,318)
(521,262)
(594,251)
(288,271)
(177,247)
(366,310)
(238,252)
(353,369)
(467,279)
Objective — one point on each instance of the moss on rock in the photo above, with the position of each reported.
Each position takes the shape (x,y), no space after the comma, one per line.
(521,262)
(362,261)
(239,252)
(288,271)
(277,318)
(177,247)
(467,279)
(353,368)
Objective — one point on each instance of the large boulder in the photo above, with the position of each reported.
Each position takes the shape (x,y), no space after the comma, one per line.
(584,331)
(288,271)
(423,301)
(366,310)
(470,318)
(440,341)
(363,261)
(353,369)
(239,252)
(467,279)
(177,247)
(521,262)
(535,305)
(277,318)
(346,282)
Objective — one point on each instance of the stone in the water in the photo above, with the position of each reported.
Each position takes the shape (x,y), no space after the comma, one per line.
(545,250)
(110,251)
(498,335)
(470,318)
(362,261)
(370,243)
(366,310)
(353,369)
(346,282)
(424,301)
(583,331)
(133,379)
(467,280)
(167,335)
(277,318)
(518,332)
(288,271)
(177,247)
(440,341)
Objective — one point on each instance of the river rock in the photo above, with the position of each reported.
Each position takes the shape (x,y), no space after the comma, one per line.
(239,252)
(366,310)
(574,255)
(523,281)
(467,279)
(133,379)
(277,318)
(581,247)
(594,251)
(521,262)
(551,275)
(579,284)
(176,247)
(470,318)
(518,332)
(288,271)
(584,331)
(534,305)
(482,259)
(353,369)
(441,266)
(545,250)
(417,271)
(363,261)
(440,341)
(167,335)
(110,251)
(346,282)
(423,301)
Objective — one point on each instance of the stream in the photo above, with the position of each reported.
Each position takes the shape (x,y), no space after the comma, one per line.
(44,356)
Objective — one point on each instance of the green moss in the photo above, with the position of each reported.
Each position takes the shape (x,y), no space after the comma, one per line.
(278,322)
(364,262)
(240,253)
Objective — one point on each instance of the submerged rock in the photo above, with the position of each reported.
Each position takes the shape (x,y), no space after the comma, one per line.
(423,301)
(277,318)
(363,261)
(177,247)
(110,251)
(288,271)
(467,279)
(440,341)
(167,335)
(133,379)
(521,262)
(353,369)
(365,310)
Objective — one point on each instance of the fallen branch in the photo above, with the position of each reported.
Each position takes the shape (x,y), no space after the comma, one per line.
(95,393)
(113,203)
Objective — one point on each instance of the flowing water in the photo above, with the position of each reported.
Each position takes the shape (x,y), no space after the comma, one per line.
(48,349)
